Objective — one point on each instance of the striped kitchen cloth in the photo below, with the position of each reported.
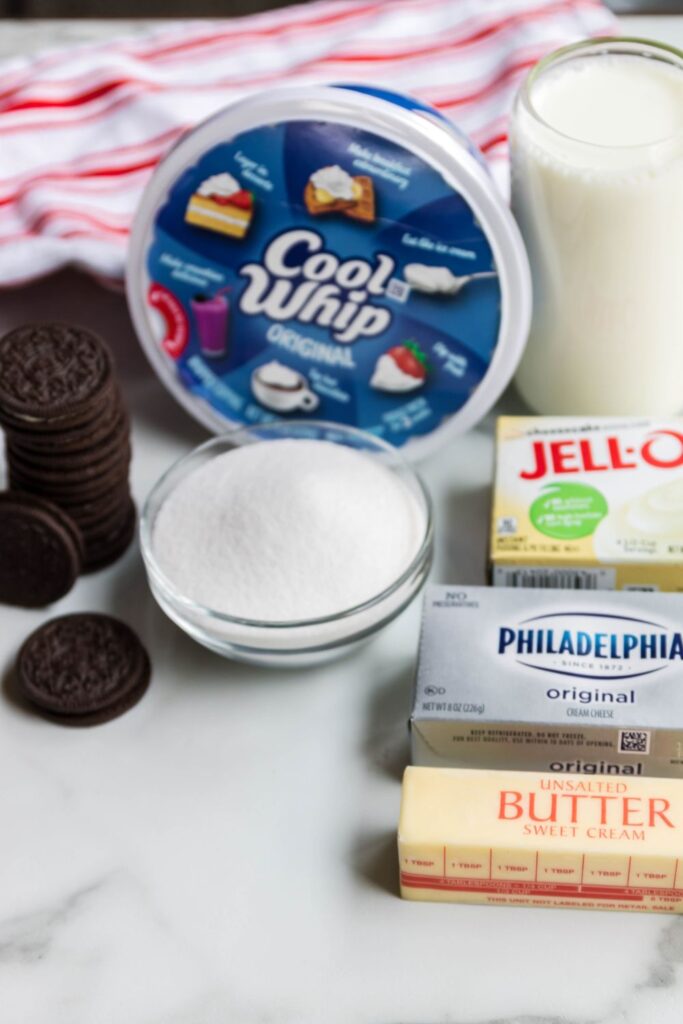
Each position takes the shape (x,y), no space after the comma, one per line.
(82,128)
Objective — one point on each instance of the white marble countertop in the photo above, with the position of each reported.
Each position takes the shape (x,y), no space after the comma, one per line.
(225,852)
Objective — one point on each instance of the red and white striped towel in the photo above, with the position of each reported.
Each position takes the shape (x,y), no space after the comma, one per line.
(82,129)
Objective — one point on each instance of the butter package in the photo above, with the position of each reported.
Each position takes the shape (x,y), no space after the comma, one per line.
(530,839)
(563,681)
(588,504)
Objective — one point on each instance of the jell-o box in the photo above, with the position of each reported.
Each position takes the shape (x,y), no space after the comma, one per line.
(588,503)
(524,838)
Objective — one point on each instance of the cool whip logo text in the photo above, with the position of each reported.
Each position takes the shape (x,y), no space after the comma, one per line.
(300,280)
(661,449)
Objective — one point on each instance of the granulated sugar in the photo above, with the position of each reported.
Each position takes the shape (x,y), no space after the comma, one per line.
(287,530)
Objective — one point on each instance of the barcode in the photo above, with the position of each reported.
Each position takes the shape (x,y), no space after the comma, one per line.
(547,578)
(506,526)
(633,741)
(397,290)
(556,580)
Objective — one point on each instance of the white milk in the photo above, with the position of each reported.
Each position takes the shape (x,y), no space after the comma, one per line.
(597,188)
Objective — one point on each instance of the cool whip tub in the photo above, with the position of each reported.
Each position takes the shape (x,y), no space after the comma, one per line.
(597,188)
(336,251)
(588,504)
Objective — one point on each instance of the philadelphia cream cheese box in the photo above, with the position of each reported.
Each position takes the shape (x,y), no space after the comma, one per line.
(563,681)
(593,504)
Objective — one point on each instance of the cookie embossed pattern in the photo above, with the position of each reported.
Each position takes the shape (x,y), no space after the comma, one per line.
(83,669)
(52,374)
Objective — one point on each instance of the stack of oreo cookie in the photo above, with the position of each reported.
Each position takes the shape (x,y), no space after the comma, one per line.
(67,432)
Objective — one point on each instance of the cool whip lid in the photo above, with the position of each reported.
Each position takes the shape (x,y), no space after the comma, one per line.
(331,251)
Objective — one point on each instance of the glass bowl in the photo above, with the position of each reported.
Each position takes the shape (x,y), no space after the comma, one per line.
(292,643)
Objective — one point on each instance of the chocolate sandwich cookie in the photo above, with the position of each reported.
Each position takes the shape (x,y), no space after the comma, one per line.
(83,669)
(111,523)
(63,455)
(107,714)
(101,550)
(107,422)
(65,474)
(29,501)
(63,492)
(69,503)
(53,375)
(41,551)
(68,433)
(91,510)
(30,427)
(102,537)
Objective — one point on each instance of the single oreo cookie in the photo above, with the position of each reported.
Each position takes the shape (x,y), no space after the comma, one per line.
(87,511)
(64,492)
(104,550)
(108,419)
(40,556)
(83,668)
(106,714)
(111,524)
(58,456)
(53,374)
(61,474)
(48,507)
(61,425)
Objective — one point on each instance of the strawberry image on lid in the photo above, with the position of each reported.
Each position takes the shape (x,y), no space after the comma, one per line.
(401,368)
(242,199)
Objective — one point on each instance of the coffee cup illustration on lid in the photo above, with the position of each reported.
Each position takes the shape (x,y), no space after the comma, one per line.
(281,389)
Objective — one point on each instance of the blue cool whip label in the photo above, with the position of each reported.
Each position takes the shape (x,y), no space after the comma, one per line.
(316,269)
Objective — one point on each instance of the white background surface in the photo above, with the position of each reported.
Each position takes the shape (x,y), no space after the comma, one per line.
(225,854)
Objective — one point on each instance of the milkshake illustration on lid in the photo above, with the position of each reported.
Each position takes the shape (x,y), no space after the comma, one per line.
(211,317)
(333,250)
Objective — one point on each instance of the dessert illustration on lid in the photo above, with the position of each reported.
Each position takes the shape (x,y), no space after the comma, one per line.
(401,368)
(334,190)
(221,204)
(433,280)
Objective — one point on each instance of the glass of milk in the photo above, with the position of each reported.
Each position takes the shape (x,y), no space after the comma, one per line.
(597,189)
